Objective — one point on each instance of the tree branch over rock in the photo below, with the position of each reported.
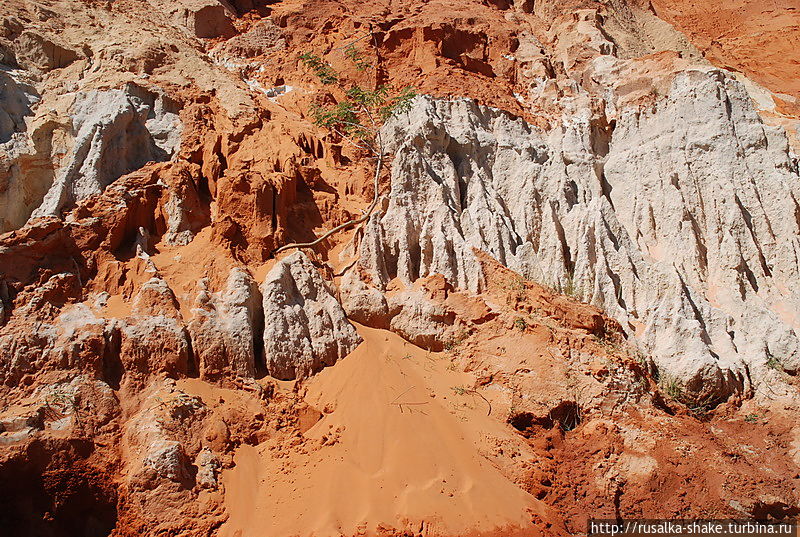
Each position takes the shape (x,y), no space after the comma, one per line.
(356,118)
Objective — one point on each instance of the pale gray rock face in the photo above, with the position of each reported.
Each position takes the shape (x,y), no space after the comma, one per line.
(4,301)
(167,459)
(77,339)
(305,327)
(116,132)
(48,165)
(60,406)
(224,326)
(179,225)
(362,303)
(208,466)
(408,313)
(16,99)
(682,224)
(157,447)
(420,320)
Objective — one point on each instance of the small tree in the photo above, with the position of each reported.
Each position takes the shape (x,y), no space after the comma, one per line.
(357,117)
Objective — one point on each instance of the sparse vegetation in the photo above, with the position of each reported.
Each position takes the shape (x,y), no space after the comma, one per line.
(670,386)
(752,418)
(545,321)
(61,402)
(516,289)
(356,117)
(323,71)
(701,407)
(459,390)
(520,324)
(610,345)
(357,57)
(58,403)
(569,286)
(454,342)
(640,357)
(698,405)
(616,346)
(567,414)
(462,390)
(774,363)
(517,283)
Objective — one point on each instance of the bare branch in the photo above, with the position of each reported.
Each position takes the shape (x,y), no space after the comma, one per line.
(345,115)
(347,224)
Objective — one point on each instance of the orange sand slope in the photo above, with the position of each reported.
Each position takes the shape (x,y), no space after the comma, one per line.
(759,38)
(396,446)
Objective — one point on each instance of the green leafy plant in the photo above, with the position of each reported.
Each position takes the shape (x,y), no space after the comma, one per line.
(774,363)
(356,117)
(671,386)
(752,418)
(357,57)
(520,324)
(323,70)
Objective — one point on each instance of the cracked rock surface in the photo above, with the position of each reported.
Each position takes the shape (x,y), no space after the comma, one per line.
(305,327)
(674,222)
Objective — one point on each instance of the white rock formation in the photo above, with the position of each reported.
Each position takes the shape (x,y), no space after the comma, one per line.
(115,132)
(362,303)
(16,98)
(420,320)
(48,164)
(682,224)
(208,466)
(77,339)
(305,327)
(224,326)
(167,459)
(155,440)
